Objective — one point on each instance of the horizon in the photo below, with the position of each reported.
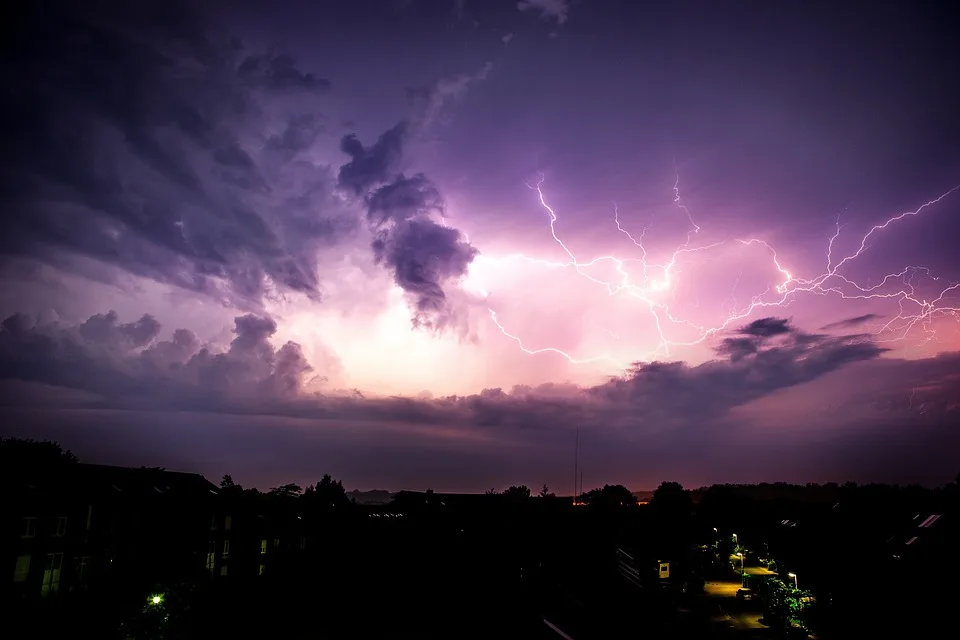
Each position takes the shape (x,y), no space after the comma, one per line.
(427,244)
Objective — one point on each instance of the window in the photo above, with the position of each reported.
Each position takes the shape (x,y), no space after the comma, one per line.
(22,571)
(213,523)
(211,555)
(260,571)
(303,542)
(223,571)
(276,543)
(89,517)
(227,522)
(263,546)
(29,529)
(51,574)
(61,527)
(81,568)
(226,548)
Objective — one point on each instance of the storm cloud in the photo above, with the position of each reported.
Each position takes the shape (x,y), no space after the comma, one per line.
(124,365)
(422,255)
(146,141)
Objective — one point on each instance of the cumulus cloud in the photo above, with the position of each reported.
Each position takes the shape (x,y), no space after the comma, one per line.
(123,363)
(140,139)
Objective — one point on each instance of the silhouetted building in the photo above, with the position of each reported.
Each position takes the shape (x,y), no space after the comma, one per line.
(67,527)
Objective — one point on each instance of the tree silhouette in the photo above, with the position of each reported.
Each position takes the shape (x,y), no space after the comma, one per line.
(290,490)
(25,451)
(517,492)
(670,500)
(326,493)
(611,495)
(545,492)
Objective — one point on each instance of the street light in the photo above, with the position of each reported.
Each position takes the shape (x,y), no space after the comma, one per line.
(794,576)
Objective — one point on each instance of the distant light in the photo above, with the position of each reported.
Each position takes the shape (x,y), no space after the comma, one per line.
(157,599)
(792,575)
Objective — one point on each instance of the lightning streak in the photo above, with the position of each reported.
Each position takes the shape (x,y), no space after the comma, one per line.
(654,279)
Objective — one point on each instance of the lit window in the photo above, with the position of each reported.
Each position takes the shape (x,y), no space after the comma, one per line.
(226,548)
(61,527)
(260,571)
(22,570)
(211,555)
(51,574)
(263,546)
(29,528)
(227,522)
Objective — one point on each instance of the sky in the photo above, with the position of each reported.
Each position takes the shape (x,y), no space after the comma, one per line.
(425,243)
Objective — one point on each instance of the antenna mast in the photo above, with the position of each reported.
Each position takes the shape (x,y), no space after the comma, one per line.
(576,469)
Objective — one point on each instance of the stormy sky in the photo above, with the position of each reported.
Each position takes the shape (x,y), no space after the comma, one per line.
(420,243)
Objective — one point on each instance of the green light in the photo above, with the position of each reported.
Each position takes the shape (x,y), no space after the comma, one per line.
(156,599)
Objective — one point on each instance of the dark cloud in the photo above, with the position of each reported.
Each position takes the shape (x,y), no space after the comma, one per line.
(137,137)
(403,199)
(124,365)
(754,368)
(372,165)
(422,255)
(850,322)
(767,327)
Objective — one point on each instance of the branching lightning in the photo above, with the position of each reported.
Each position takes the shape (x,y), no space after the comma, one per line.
(652,280)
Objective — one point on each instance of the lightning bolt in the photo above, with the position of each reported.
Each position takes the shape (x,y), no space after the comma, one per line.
(655,279)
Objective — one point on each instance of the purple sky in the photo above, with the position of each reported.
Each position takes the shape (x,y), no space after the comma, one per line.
(419,243)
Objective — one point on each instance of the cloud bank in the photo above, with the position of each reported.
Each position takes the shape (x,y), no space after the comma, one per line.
(125,365)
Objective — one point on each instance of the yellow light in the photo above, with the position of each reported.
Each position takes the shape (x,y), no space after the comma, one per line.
(156,599)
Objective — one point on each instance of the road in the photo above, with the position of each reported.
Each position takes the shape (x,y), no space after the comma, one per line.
(740,619)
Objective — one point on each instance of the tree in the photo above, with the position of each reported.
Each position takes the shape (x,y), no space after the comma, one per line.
(24,458)
(671,500)
(326,493)
(228,486)
(611,495)
(545,492)
(517,492)
(25,451)
(290,490)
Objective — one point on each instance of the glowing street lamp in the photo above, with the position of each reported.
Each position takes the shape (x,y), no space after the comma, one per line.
(155,599)
(794,576)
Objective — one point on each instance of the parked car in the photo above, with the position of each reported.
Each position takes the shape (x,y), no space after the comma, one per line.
(746,594)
